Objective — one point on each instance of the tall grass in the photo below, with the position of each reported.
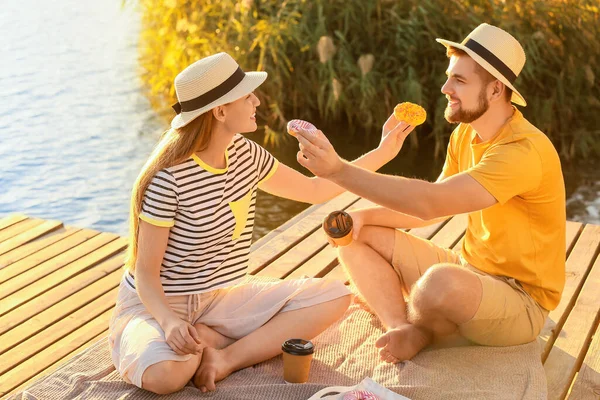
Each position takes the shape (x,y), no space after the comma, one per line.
(346,63)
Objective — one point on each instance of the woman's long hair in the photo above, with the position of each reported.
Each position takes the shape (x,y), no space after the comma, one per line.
(174,147)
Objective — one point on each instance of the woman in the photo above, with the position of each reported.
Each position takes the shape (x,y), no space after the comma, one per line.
(184,311)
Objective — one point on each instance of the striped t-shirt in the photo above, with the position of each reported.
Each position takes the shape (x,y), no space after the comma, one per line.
(211,215)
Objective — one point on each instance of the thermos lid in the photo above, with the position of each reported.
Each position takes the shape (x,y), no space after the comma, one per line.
(298,347)
(337,224)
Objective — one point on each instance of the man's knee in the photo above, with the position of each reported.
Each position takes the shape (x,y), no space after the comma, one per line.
(163,378)
(380,239)
(437,288)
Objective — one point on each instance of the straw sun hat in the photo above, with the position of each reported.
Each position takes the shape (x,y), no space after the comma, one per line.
(496,51)
(211,82)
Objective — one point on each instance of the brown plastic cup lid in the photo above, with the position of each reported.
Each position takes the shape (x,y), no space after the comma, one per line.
(337,224)
(298,347)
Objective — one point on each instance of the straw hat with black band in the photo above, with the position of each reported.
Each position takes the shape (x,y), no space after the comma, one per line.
(496,51)
(211,82)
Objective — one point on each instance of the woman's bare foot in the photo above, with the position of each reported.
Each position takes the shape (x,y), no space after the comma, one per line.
(213,368)
(212,338)
(402,343)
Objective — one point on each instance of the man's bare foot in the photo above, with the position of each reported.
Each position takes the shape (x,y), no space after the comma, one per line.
(212,338)
(401,343)
(212,369)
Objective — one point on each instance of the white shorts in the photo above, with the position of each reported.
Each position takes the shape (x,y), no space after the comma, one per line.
(137,341)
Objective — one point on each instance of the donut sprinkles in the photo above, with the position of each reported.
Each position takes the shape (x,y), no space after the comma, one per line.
(360,395)
(296,124)
(412,114)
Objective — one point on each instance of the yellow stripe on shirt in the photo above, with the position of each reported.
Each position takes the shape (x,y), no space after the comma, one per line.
(271,172)
(156,222)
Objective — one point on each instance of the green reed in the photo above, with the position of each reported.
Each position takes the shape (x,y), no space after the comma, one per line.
(346,63)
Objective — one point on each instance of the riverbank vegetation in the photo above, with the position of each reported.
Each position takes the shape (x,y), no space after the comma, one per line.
(346,63)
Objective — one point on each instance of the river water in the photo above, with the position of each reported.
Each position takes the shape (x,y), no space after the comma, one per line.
(76,127)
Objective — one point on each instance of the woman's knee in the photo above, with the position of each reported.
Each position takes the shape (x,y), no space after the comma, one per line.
(343,303)
(335,308)
(164,377)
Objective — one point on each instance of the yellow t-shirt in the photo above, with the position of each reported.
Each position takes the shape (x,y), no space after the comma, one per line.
(523,235)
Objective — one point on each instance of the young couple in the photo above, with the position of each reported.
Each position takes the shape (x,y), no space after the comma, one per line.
(185,311)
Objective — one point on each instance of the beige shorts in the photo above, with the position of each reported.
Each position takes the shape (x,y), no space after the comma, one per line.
(137,341)
(507,314)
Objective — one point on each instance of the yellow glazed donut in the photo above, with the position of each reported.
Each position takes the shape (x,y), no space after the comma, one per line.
(412,114)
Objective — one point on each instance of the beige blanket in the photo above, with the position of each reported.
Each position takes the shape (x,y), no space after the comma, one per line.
(345,355)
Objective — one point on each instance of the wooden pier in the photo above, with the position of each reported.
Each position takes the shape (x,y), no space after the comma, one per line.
(58,286)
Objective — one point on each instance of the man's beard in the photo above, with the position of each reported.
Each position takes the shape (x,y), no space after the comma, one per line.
(467,116)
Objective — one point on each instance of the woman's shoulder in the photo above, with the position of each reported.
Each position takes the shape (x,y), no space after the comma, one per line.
(241,142)
(164,178)
(180,168)
(172,173)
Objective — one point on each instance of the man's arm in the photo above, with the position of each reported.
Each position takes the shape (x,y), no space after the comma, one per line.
(291,184)
(381,216)
(457,194)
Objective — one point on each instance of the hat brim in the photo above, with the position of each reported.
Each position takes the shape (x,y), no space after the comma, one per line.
(251,81)
(516,98)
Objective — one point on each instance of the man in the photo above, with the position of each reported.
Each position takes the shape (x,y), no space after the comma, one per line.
(503,172)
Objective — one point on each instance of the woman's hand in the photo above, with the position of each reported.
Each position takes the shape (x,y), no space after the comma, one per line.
(358,221)
(181,336)
(393,135)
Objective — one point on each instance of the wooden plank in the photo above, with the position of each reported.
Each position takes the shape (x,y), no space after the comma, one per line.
(303,251)
(289,261)
(573,233)
(281,228)
(429,231)
(339,274)
(35,246)
(29,235)
(579,262)
(58,364)
(321,258)
(458,246)
(58,293)
(295,234)
(451,232)
(9,271)
(47,357)
(59,311)
(11,220)
(587,380)
(317,266)
(39,342)
(18,228)
(20,290)
(574,229)
(570,346)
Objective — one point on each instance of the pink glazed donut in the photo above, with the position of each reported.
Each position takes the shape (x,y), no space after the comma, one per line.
(360,395)
(296,124)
